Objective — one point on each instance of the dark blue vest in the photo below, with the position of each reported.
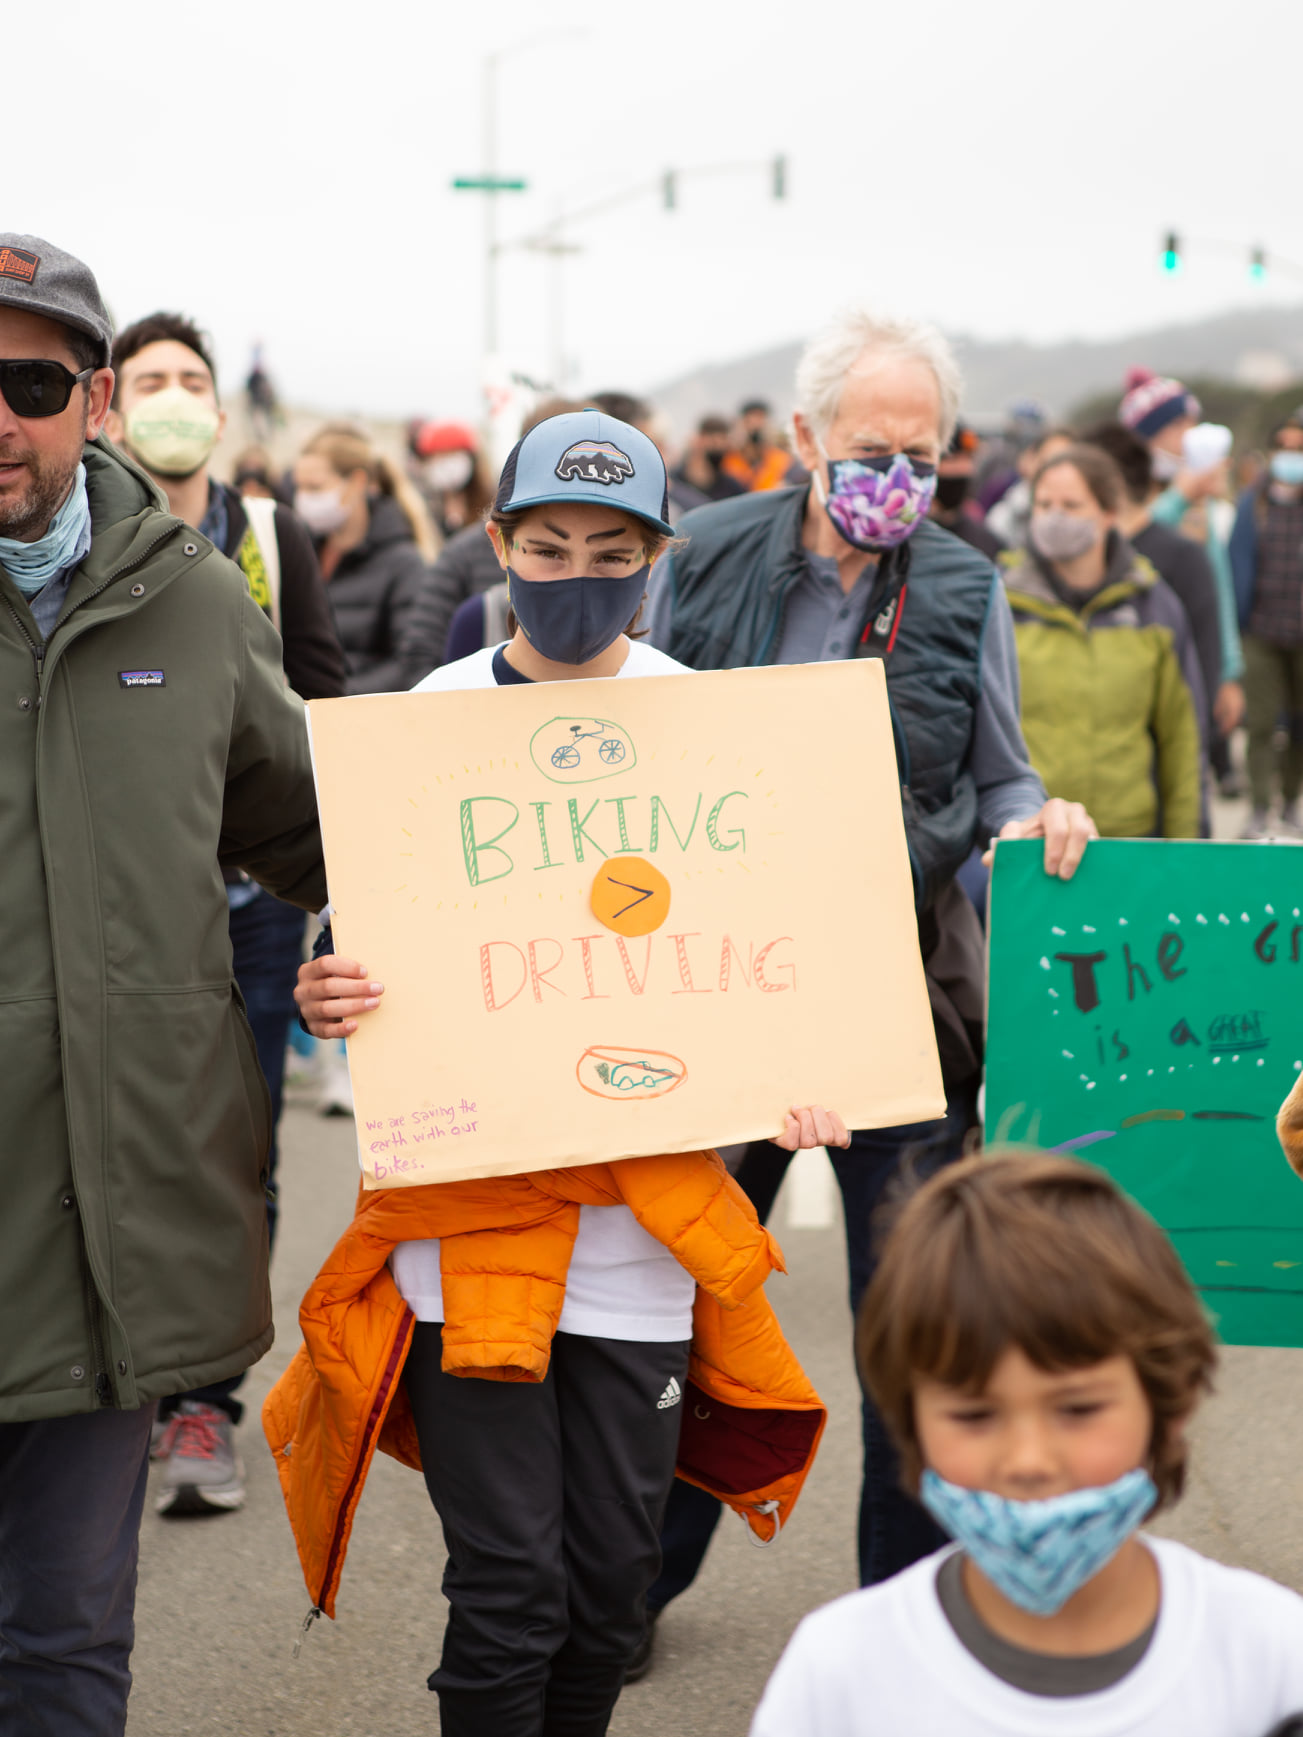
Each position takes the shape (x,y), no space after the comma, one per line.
(731,586)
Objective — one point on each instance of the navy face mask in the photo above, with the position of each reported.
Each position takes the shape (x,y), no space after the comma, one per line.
(574,620)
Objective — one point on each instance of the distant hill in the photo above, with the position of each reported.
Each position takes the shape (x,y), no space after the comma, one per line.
(1260,347)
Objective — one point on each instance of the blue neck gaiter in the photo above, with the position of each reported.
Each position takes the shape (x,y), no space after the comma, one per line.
(1039,1553)
(31,566)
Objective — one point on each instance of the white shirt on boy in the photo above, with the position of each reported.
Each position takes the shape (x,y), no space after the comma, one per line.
(622,1283)
(1226,1660)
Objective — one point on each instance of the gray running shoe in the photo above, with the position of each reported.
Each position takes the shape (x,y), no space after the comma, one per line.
(1258,826)
(202,1473)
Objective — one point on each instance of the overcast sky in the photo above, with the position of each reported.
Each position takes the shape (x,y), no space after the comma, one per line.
(281,171)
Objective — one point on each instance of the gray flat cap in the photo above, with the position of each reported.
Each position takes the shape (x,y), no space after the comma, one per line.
(43,279)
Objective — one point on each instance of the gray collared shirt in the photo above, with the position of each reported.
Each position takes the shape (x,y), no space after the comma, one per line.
(48,601)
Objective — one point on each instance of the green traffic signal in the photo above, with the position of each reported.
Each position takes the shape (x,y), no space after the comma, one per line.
(1172,253)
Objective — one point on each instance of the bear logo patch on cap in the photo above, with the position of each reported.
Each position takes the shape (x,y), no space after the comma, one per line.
(17,262)
(594,461)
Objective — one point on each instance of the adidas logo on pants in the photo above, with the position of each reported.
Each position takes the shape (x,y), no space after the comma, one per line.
(671,1396)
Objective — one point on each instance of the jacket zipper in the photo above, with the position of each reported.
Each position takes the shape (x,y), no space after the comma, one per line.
(100,1378)
(37,651)
(378,1409)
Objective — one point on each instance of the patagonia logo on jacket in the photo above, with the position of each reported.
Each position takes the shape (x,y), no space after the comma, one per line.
(142,678)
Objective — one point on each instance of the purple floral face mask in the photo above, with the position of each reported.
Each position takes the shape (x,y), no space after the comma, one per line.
(878,502)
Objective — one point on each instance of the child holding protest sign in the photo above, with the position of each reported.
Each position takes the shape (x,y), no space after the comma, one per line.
(610,1315)
(1037,1350)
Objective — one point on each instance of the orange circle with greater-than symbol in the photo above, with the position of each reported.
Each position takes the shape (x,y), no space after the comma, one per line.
(630,896)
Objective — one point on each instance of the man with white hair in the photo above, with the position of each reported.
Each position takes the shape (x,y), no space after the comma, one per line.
(850,565)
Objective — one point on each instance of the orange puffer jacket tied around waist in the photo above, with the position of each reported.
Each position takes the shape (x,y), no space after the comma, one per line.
(751,1420)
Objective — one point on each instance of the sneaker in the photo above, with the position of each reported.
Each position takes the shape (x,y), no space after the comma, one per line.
(1290,824)
(162,1434)
(337,1088)
(202,1473)
(1257,826)
(641,1662)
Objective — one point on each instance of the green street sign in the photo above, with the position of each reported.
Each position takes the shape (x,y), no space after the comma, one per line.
(488,184)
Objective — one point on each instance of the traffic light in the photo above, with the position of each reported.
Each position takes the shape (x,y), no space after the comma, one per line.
(779,183)
(1172,252)
(1258,264)
(670,189)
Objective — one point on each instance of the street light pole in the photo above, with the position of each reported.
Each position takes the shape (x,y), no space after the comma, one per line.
(489,154)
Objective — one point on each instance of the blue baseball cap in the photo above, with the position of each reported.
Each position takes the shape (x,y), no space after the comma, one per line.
(586,456)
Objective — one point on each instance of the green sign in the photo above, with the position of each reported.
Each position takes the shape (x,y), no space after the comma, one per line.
(1148,1016)
(489,184)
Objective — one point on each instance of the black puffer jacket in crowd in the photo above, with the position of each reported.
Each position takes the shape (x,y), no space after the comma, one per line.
(466,567)
(371,593)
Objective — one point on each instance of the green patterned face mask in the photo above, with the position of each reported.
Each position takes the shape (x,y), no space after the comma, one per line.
(172,432)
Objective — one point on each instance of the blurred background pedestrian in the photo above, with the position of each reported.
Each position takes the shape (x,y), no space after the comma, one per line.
(375,542)
(1111,688)
(1267,557)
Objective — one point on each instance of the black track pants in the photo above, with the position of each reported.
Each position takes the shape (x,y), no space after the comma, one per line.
(551,1495)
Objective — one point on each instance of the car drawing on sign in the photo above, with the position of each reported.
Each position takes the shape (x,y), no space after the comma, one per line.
(629,1075)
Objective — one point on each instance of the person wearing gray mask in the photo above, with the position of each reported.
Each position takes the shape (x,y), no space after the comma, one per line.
(1112,694)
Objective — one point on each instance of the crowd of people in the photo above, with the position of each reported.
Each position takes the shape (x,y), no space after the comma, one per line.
(1073,624)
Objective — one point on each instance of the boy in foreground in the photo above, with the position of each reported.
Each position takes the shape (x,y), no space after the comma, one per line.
(1037,1351)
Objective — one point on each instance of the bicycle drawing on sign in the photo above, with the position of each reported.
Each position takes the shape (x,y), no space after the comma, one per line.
(579,750)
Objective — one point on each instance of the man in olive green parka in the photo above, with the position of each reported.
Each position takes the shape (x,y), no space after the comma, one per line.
(147,740)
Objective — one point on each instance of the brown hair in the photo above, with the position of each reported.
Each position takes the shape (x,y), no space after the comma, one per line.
(1097,470)
(158,329)
(1045,1254)
(346,449)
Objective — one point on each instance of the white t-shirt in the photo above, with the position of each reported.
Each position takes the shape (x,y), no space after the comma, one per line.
(1226,1660)
(622,1283)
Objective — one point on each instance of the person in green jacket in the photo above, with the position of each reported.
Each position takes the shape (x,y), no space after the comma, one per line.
(147,741)
(1111,690)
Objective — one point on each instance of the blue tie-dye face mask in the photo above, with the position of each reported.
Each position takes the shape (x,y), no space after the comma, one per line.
(1039,1553)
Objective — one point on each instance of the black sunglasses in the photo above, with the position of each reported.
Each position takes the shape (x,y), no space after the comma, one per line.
(38,388)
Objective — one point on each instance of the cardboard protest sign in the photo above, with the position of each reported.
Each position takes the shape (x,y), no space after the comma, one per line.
(622,917)
(1148,1016)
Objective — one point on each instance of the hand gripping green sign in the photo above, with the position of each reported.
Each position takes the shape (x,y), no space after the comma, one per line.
(1148,1016)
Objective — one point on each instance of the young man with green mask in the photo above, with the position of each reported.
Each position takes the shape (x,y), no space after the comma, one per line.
(146,735)
(165,413)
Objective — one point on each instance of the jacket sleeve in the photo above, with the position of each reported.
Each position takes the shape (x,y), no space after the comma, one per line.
(659,607)
(385,674)
(1244,554)
(445,586)
(1169,509)
(314,659)
(1175,729)
(1202,610)
(269,815)
(1228,617)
